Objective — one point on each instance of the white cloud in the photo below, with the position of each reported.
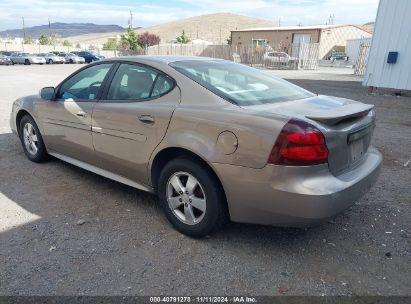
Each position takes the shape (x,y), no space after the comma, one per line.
(291,12)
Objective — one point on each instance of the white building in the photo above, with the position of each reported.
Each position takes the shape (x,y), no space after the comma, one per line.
(389,61)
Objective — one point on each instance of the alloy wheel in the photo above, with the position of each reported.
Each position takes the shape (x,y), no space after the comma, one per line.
(186,198)
(30,139)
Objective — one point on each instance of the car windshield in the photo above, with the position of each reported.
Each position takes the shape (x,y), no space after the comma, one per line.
(238,83)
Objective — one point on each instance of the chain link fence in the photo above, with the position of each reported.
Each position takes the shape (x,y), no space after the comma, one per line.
(361,64)
(300,56)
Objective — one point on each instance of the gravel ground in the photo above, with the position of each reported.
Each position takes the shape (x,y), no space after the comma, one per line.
(65,231)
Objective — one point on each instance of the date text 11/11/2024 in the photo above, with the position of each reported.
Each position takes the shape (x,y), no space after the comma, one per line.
(203,299)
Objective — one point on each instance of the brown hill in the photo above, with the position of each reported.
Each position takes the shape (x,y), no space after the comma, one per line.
(369,27)
(213,27)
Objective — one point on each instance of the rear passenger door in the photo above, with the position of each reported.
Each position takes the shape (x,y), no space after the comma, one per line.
(131,119)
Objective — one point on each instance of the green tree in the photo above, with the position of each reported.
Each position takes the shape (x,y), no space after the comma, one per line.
(129,41)
(78,46)
(67,43)
(91,47)
(111,44)
(44,39)
(28,40)
(55,39)
(183,38)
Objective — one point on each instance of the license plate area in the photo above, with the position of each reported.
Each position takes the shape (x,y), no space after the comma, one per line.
(358,142)
(358,149)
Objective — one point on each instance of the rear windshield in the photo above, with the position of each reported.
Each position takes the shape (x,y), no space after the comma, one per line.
(238,83)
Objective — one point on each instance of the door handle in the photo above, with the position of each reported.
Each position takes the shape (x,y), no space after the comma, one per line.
(81,114)
(146,119)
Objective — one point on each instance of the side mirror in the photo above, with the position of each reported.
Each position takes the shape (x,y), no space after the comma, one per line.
(48,93)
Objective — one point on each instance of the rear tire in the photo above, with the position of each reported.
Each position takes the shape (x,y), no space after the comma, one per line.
(199,208)
(32,140)
(27,62)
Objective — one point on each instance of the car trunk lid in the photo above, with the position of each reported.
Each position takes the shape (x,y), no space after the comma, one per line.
(346,124)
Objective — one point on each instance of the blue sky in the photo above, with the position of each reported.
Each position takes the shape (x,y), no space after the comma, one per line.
(146,13)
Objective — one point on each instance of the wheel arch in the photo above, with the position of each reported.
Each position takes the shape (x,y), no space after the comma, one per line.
(170,153)
(20,114)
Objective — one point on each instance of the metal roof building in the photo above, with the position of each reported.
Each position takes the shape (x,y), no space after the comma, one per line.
(389,61)
(329,37)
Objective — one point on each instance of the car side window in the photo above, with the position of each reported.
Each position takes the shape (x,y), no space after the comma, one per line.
(134,82)
(162,85)
(85,84)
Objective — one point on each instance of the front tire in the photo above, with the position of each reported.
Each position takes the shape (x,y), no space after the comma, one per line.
(32,140)
(192,197)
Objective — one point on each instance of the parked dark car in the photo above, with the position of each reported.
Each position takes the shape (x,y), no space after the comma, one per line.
(6,53)
(4,60)
(90,56)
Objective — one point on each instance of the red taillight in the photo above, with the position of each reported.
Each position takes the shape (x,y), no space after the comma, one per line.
(299,144)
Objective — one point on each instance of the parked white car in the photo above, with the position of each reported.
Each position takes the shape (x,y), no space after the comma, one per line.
(53,58)
(73,58)
(27,58)
(277,58)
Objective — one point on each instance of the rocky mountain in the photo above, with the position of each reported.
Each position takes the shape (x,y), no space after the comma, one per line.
(63,29)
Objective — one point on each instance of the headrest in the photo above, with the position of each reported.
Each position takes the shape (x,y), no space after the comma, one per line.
(139,81)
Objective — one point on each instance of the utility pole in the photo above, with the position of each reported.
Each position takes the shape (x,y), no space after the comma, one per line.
(49,30)
(131,19)
(330,19)
(24,29)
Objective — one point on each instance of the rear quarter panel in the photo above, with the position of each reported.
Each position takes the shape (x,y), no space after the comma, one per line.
(202,116)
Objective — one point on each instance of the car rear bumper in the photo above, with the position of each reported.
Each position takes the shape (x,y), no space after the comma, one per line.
(295,196)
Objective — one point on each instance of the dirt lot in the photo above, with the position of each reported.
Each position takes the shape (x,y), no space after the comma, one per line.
(125,246)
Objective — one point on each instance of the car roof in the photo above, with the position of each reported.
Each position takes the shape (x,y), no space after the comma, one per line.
(163,59)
